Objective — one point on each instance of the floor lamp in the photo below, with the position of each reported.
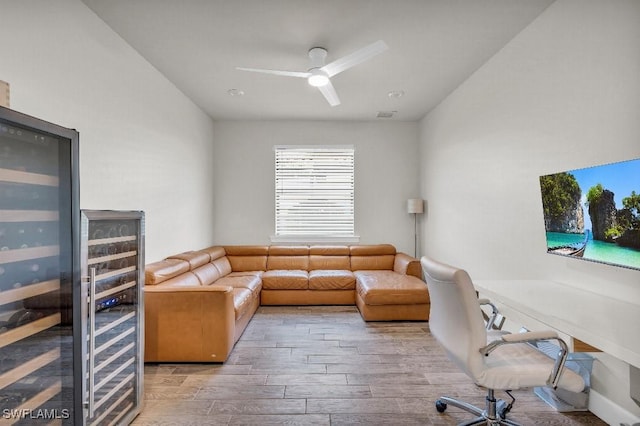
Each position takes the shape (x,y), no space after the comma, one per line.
(415,206)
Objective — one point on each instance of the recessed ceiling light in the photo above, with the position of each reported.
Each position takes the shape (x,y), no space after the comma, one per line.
(396,94)
(386,114)
(235,92)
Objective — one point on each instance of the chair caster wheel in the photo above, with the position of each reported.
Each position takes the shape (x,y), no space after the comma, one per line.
(441,406)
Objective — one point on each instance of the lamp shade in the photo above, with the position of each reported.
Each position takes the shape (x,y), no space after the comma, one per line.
(415,205)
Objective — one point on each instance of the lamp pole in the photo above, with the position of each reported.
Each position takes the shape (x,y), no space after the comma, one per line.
(415,235)
(415,206)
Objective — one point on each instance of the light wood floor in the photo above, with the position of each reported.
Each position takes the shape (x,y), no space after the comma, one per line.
(325,366)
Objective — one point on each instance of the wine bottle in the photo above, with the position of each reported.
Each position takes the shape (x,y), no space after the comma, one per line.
(123,230)
(15,235)
(43,233)
(99,250)
(97,234)
(16,274)
(113,232)
(123,263)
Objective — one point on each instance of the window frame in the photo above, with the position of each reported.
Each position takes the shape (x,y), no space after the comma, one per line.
(280,234)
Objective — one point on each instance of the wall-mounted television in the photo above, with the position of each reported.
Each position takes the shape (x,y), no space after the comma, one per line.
(594,213)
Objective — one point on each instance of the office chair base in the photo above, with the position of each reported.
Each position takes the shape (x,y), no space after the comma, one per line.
(489,416)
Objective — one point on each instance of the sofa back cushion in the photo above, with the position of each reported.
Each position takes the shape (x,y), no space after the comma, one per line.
(195,258)
(157,272)
(219,259)
(223,265)
(247,258)
(288,258)
(372,257)
(215,252)
(187,279)
(207,274)
(329,257)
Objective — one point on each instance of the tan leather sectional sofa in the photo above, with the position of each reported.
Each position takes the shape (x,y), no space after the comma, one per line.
(198,303)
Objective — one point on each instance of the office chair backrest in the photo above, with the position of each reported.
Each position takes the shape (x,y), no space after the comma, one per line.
(455,319)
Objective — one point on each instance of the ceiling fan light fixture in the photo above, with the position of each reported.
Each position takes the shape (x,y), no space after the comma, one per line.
(319,73)
(318,78)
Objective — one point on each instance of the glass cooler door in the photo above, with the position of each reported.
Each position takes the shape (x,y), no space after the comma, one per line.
(113,264)
(38,260)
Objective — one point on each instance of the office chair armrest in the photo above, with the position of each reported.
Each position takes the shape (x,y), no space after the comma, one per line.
(491,319)
(531,337)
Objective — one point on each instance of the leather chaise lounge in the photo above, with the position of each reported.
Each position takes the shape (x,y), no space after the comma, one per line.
(198,303)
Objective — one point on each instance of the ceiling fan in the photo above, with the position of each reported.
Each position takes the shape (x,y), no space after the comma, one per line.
(319,74)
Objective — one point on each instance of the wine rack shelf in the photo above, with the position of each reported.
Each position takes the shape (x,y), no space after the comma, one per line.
(116,290)
(116,420)
(30,253)
(38,400)
(111,257)
(29,329)
(29,215)
(17,176)
(29,291)
(28,367)
(112,240)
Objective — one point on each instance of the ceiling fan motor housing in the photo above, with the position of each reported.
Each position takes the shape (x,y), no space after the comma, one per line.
(317,56)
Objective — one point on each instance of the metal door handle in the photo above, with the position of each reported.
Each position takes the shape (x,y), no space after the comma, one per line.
(92,338)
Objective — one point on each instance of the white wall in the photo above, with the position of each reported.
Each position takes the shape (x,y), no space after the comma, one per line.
(564,94)
(386,168)
(143,144)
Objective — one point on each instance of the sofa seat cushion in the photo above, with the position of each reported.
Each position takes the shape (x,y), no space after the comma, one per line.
(250,282)
(390,288)
(285,280)
(331,279)
(242,298)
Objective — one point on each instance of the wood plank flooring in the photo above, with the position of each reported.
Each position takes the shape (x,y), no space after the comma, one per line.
(325,366)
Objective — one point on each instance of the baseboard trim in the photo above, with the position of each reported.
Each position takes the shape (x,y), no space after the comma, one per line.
(610,412)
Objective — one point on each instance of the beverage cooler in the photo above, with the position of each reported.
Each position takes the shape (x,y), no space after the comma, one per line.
(112,253)
(71,327)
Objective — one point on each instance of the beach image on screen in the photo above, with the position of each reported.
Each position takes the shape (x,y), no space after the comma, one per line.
(594,213)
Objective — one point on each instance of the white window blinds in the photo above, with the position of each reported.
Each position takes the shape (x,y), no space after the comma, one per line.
(314,191)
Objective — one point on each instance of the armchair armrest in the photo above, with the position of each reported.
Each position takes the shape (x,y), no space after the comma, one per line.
(531,337)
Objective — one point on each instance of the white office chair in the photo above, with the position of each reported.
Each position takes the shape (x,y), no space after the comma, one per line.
(507,364)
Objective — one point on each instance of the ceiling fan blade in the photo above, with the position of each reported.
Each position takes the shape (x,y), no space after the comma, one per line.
(277,72)
(354,58)
(329,93)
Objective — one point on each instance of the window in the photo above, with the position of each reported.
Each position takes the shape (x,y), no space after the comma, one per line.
(314,191)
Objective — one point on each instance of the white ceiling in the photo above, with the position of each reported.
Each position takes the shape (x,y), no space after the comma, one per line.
(434,45)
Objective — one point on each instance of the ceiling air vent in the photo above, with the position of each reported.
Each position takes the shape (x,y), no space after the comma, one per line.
(385,114)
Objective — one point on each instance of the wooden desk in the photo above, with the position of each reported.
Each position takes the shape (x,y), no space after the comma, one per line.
(608,324)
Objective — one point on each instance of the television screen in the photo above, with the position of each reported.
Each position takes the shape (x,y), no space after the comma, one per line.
(594,213)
